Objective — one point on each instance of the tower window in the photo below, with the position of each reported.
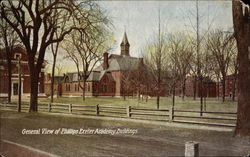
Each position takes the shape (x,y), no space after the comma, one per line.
(17,56)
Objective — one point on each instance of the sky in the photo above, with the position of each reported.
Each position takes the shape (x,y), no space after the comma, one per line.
(140,20)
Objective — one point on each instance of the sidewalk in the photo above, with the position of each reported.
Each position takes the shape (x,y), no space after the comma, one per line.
(11,149)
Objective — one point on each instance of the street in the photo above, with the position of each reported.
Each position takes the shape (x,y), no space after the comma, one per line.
(147,140)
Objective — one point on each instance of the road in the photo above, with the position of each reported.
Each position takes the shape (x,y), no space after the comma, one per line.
(150,140)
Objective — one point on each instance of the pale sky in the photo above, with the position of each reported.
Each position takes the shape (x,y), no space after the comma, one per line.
(140,20)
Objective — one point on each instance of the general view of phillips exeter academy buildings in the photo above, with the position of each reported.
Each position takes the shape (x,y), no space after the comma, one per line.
(118,78)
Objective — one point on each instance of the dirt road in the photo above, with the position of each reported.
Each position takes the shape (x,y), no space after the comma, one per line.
(149,140)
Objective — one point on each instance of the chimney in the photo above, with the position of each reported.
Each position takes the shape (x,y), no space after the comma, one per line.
(106,61)
(141,61)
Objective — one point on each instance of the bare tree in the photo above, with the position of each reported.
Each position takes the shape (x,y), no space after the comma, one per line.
(234,69)
(222,47)
(127,86)
(156,62)
(181,54)
(59,69)
(241,18)
(155,58)
(8,39)
(135,80)
(35,25)
(88,47)
(55,46)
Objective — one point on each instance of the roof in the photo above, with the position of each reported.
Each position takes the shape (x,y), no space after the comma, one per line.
(93,76)
(121,63)
(58,79)
(72,76)
(98,75)
(21,50)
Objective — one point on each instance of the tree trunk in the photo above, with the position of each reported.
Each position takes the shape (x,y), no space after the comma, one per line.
(83,90)
(242,34)
(201,96)
(9,77)
(52,81)
(54,52)
(218,89)
(19,85)
(234,84)
(173,97)
(158,101)
(183,89)
(223,87)
(35,70)
(34,76)
(194,87)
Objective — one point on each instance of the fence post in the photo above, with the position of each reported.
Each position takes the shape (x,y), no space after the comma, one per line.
(191,149)
(97,109)
(128,111)
(171,114)
(49,107)
(70,108)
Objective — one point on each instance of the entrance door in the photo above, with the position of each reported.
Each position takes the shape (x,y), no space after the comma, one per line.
(15,88)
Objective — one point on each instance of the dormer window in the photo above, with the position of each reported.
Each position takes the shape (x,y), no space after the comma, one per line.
(17,56)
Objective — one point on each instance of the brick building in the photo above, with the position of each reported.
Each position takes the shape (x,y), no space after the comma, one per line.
(230,84)
(108,79)
(18,52)
(208,87)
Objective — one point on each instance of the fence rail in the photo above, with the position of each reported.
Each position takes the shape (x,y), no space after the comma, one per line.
(227,119)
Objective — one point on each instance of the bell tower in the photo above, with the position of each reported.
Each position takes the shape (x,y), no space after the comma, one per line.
(125,45)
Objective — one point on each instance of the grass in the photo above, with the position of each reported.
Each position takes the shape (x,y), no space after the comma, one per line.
(212,104)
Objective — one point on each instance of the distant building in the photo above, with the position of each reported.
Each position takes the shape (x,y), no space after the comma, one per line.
(208,87)
(18,52)
(57,85)
(230,82)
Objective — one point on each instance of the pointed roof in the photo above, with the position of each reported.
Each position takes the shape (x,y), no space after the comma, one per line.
(125,39)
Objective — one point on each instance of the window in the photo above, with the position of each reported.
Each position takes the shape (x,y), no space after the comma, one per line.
(104,88)
(89,87)
(67,87)
(94,87)
(75,87)
(113,88)
(17,56)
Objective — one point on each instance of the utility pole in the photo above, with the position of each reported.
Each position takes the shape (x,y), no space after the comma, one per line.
(19,85)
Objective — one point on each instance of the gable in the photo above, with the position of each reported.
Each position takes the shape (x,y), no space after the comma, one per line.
(121,63)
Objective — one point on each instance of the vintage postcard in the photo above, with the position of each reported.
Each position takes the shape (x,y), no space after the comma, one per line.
(117,78)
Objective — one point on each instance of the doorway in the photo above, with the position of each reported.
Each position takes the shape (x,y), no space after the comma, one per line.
(15,88)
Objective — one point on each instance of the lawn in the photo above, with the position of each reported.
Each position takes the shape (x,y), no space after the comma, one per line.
(212,104)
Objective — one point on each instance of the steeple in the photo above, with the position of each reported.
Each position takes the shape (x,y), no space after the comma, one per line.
(125,45)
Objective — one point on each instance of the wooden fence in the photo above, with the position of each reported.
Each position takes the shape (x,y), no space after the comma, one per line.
(227,119)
